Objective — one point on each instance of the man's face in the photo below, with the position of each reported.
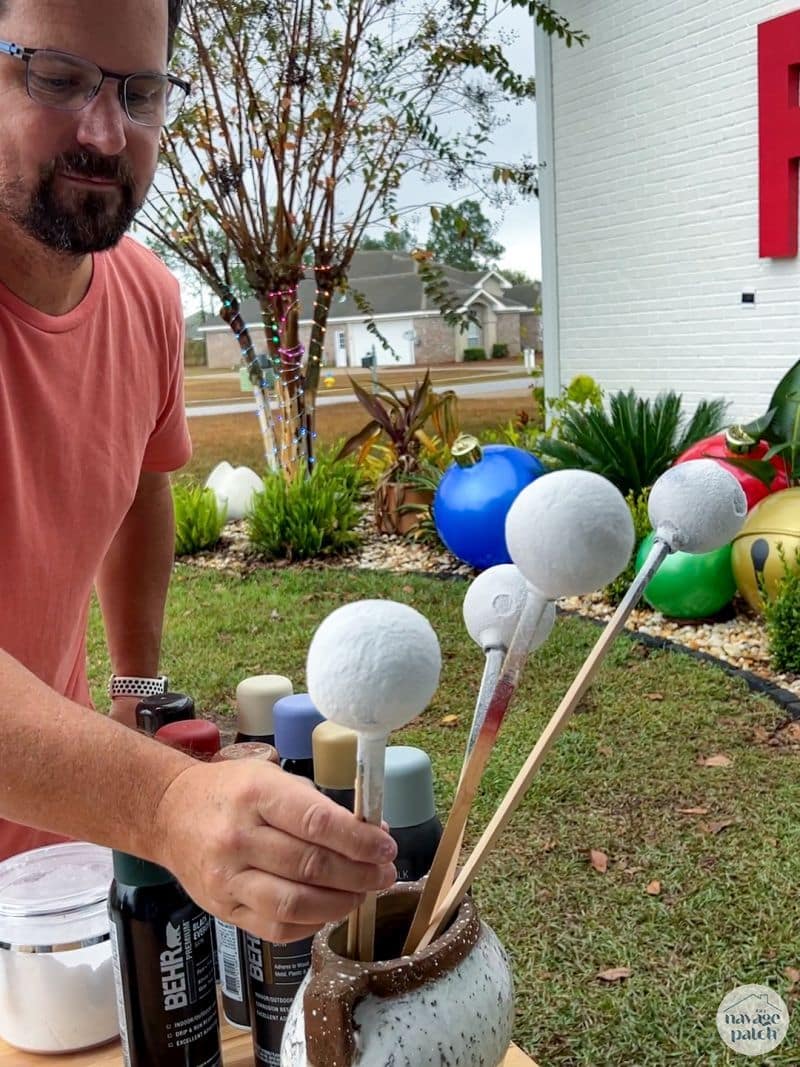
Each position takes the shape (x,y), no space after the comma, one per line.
(74,180)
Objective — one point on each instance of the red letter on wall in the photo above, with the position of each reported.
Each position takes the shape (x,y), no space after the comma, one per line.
(779,133)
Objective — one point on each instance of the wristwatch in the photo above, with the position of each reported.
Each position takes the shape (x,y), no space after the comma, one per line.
(122,686)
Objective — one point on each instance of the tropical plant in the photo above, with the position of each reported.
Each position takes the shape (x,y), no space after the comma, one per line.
(780,427)
(199,519)
(307,516)
(523,431)
(582,393)
(635,441)
(782,617)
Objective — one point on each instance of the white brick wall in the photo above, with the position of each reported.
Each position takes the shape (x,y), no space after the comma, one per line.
(656,173)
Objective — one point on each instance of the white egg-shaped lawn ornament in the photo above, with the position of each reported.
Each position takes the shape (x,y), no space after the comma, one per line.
(219,476)
(239,488)
(373,666)
(697,506)
(570,532)
(493,604)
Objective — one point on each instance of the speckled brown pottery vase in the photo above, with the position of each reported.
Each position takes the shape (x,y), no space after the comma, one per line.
(451,1005)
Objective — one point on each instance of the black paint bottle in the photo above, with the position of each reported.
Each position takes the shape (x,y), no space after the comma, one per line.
(163,968)
(276,969)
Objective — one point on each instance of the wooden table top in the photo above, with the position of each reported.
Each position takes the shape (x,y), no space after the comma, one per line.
(237,1051)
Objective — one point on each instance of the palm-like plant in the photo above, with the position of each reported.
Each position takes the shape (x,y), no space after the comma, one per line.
(635,441)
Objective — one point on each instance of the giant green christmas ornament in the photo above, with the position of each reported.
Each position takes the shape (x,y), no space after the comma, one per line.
(688,585)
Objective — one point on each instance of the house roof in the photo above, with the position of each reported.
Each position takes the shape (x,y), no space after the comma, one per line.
(391,285)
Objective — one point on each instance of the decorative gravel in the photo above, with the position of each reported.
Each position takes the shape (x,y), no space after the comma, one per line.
(738,638)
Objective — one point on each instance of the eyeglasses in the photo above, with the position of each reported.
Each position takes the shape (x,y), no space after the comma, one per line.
(68,83)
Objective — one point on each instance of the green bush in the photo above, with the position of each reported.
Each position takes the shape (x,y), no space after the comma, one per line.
(634,442)
(616,590)
(473,355)
(782,616)
(312,515)
(499,351)
(198,518)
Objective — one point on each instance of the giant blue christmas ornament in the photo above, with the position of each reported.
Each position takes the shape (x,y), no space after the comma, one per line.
(474,495)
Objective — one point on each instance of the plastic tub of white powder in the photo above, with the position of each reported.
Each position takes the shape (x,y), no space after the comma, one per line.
(57,991)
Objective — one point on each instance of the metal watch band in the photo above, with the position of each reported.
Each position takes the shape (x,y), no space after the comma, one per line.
(121,686)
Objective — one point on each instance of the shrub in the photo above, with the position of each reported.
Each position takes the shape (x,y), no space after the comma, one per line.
(635,442)
(473,355)
(782,616)
(523,431)
(309,515)
(499,351)
(616,590)
(198,518)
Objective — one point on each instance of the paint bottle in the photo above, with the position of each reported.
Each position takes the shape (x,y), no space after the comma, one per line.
(154,712)
(198,738)
(255,699)
(410,811)
(276,969)
(164,972)
(335,750)
(229,938)
(295,718)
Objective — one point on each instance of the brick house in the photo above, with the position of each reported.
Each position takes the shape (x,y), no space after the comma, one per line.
(415,331)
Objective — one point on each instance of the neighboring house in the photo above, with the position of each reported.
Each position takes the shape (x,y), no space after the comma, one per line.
(651,134)
(414,330)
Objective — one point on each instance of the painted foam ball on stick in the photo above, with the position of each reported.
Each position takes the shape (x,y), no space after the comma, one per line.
(697,506)
(689,585)
(570,532)
(493,604)
(373,666)
(474,495)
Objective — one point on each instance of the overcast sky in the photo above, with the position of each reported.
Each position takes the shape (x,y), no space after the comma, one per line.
(517,227)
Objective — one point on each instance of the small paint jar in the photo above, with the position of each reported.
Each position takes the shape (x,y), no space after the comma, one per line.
(57,989)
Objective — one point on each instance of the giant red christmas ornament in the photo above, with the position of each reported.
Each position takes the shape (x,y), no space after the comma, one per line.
(722,446)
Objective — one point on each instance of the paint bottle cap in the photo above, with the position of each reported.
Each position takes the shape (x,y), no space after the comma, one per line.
(156,711)
(408,787)
(335,748)
(295,718)
(248,750)
(255,699)
(195,737)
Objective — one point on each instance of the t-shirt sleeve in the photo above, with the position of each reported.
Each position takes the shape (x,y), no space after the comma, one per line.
(170,446)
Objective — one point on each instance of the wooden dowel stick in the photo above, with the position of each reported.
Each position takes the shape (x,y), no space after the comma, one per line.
(521,783)
(446,856)
(370,767)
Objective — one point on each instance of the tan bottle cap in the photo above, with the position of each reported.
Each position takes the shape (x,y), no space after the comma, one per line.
(334,748)
(255,698)
(248,750)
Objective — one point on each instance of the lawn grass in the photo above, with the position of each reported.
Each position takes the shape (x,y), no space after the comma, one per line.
(728,911)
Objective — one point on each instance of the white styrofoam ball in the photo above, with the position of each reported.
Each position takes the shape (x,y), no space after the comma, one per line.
(697,506)
(238,489)
(493,604)
(373,665)
(570,532)
(219,476)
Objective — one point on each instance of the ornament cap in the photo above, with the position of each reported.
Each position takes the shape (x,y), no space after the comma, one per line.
(466,450)
(739,441)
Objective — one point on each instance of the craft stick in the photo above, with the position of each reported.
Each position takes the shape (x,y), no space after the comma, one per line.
(521,783)
(449,846)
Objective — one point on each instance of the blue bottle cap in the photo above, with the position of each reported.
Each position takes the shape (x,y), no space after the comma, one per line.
(294,718)
(408,787)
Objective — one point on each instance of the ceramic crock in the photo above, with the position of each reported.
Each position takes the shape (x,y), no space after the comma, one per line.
(450,1005)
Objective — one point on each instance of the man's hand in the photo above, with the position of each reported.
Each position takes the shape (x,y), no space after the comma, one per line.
(264,850)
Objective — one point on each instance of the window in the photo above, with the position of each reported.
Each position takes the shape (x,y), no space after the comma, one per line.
(341,342)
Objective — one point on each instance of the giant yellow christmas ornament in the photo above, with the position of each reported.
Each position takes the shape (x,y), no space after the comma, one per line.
(756,558)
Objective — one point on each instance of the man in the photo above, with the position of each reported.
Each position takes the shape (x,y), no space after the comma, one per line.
(91,422)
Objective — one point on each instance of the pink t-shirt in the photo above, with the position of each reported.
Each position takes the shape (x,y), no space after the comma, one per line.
(87,401)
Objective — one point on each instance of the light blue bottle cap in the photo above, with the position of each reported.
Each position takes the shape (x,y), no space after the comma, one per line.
(294,718)
(408,788)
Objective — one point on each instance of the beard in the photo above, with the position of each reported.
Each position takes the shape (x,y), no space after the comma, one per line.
(81,221)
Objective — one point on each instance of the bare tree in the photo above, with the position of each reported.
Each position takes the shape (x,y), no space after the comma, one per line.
(305,117)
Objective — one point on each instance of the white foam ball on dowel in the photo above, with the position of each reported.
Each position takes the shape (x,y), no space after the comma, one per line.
(570,532)
(373,665)
(493,604)
(697,506)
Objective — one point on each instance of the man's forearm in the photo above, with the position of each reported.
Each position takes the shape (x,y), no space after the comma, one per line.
(74,772)
(133,579)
